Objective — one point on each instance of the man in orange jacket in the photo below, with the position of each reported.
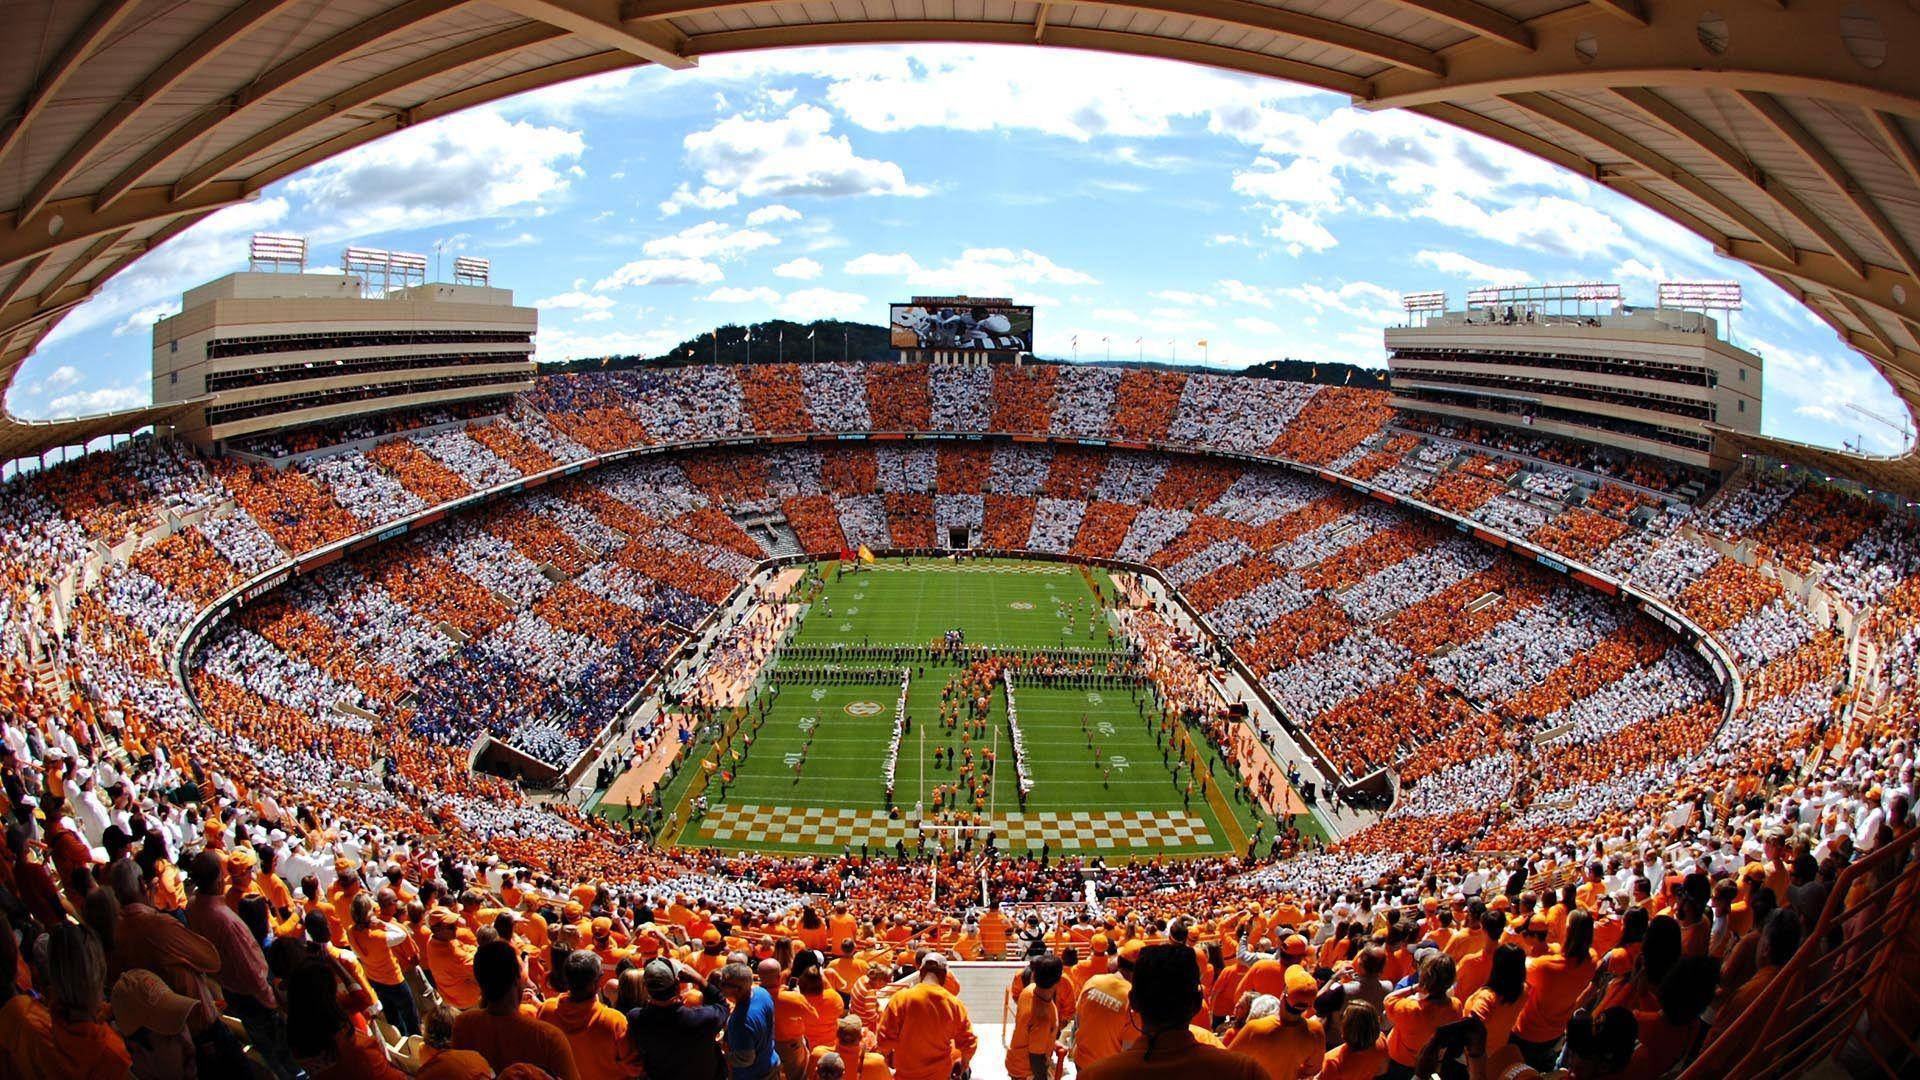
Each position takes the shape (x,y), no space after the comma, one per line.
(924,1031)
(597,1034)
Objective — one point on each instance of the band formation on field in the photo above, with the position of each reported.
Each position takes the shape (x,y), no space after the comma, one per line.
(985,704)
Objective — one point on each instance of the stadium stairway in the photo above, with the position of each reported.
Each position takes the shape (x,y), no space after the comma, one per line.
(983,988)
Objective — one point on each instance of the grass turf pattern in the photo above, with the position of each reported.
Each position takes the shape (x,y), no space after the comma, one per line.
(839,733)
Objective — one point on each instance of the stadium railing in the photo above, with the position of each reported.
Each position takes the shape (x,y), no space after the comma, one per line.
(1850,995)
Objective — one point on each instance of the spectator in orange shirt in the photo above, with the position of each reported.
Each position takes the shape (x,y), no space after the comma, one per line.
(1497,1004)
(1667,1033)
(840,925)
(792,1015)
(846,970)
(321,1034)
(1362,1053)
(439,1060)
(77,1045)
(1164,996)
(847,1058)
(1780,938)
(450,960)
(924,1030)
(712,955)
(374,941)
(993,932)
(1103,1025)
(498,1030)
(1418,1011)
(596,1033)
(1280,1035)
(1638,988)
(1036,1025)
(826,1004)
(1555,983)
(1473,968)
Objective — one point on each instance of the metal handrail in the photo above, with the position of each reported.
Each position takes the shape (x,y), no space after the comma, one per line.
(1836,989)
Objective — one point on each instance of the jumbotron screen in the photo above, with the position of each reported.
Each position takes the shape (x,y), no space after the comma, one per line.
(961,322)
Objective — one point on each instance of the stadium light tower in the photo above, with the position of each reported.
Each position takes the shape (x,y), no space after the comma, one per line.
(1422,306)
(1704,296)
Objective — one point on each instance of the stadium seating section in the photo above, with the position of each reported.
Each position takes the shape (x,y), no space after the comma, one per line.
(1521,711)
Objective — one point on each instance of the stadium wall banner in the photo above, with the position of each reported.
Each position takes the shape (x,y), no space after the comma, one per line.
(321,558)
(1593,582)
(961,323)
(264,586)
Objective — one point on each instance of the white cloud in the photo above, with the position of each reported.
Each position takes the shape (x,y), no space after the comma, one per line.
(806,305)
(1079,96)
(141,321)
(1641,281)
(710,240)
(660,272)
(769,215)
(1819,387)
(1299,233)
(104,399)
(786,156)
(979,271)
(899,265)
(1550,224)
(574,301)
(568,100)
(1239,292)
(1257,326)
(707,197)
(465,167)
(1363,301)
(1303,181)
(800,269)
(733,294)
(1454,264)
(558,344)
(1189,299)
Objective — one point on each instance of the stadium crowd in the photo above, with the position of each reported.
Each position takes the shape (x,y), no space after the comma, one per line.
(301,847)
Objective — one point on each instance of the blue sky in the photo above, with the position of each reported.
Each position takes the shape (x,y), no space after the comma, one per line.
(1129,199)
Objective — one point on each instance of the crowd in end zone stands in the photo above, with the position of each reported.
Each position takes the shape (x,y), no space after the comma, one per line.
(311,857)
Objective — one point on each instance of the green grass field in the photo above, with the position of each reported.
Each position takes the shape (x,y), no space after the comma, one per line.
(998,602)
(1124,804)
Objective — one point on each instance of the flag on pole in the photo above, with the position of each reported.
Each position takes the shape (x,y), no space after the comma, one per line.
(846,554)
(1202,343)
(866,554)
(810,333)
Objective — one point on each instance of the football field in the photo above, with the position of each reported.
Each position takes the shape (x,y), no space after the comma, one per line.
(804,772)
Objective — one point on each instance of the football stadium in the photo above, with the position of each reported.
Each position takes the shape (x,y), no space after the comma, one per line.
(402,687)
